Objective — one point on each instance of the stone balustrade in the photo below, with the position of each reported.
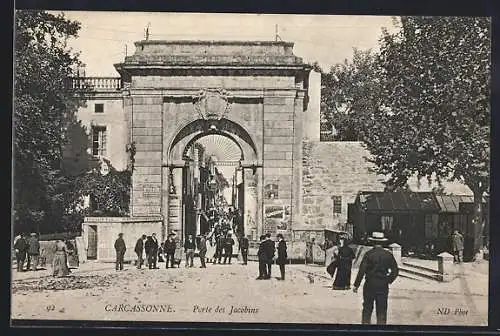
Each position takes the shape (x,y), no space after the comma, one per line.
(97,83)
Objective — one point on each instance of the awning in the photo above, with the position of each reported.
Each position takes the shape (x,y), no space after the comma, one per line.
(398,201)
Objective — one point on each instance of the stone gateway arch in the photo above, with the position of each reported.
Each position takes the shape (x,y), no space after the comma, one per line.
(252,92)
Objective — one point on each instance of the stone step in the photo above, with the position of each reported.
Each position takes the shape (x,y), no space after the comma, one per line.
(418,272)
(419,266)
(410,276)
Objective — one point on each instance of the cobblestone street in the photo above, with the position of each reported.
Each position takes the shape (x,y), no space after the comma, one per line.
(230,293)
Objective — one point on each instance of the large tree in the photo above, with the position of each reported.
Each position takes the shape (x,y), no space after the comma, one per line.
(350,92)
(434,118)
(43,106)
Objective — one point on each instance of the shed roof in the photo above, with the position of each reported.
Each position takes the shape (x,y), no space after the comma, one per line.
(450,203)
(398,201)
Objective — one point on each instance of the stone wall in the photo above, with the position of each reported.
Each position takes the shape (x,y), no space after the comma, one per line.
(333,169)
(132,228)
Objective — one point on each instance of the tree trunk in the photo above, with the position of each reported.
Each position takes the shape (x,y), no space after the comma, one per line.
(478,222)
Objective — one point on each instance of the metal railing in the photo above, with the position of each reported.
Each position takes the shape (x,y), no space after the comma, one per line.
(97,83)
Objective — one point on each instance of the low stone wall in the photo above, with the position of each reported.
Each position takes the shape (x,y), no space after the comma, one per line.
(108,229)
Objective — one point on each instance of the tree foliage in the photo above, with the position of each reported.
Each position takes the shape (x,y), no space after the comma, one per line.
(43,105)
(350,93)
(434,116)
(109,194)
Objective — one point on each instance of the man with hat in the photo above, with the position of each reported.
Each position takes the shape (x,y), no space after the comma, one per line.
(379,268)
(120,249)
(21,247)
(139,250)
(170,246)
(33,251)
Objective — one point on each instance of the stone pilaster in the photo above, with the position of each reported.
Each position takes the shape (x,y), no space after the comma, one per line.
(297,192)
(279,139)
(147,177)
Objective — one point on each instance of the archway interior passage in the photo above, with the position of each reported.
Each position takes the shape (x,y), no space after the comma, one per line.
(213,188)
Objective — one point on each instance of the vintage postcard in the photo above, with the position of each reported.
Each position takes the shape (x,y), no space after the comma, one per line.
(251,168)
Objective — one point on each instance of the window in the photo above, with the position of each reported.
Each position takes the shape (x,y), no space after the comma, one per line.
(99,141)
(99,108)
(337,204)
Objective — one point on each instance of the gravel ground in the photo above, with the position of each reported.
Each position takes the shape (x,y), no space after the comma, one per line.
(230,293)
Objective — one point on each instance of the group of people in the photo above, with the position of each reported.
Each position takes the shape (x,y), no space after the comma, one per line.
(27,249)
(266,255)
(379,269)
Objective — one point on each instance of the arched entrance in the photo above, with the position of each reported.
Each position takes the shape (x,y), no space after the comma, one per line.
(214,179)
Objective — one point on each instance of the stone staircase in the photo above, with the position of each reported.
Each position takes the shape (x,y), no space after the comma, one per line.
(415,270)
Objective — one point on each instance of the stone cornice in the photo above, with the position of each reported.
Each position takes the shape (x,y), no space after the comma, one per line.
(129,70)
(235,92)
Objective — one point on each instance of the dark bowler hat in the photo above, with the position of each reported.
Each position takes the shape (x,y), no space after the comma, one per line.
(120,234)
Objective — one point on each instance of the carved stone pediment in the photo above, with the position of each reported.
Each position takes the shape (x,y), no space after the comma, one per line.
(212,104)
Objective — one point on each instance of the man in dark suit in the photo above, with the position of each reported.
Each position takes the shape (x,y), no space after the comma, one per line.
(120,249)
(228,248)
(219,245)
(33,251)
(189,247)
(282,255)
(21,247)
(380,269)
(139,249)
(169,247)
(269,249)
(151,248)
(202,250)
(244,249)
(261,254)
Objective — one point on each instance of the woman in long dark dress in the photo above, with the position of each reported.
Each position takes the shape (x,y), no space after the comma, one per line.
(345,256)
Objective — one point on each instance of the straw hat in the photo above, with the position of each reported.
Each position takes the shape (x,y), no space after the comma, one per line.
(377,237)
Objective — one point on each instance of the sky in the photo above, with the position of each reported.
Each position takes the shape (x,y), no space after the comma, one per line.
(328,39)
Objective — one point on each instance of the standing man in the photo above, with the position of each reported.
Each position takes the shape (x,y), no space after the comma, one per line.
(170,246)
(228,248)
(261,254)
(189,247)
(244,249)
(120,249)
(219,245)
(269,249)
(457,241)
(33,251)
(21,248)
(139,250)
(380,269)
(202,250)
(282,255)
(152,251)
